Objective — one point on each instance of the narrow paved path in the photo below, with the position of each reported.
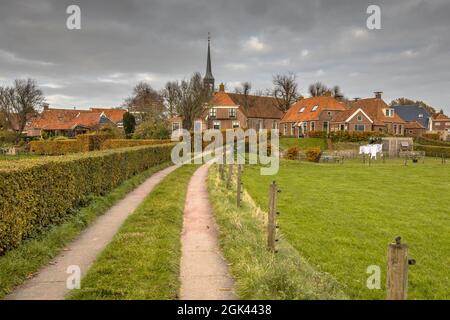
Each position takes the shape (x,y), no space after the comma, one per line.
(50,282)
(204,273)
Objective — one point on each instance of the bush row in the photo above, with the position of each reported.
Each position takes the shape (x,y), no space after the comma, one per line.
(38,193)
(432,142)
(433,151)
(56,147)
(124,143)
(354,136)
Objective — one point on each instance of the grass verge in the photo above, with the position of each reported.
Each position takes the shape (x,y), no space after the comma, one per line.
(20,263)
(258,273)
(142,261)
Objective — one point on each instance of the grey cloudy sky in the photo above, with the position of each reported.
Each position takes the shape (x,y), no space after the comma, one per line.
(123,42)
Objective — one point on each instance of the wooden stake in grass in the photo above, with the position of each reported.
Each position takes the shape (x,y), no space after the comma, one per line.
(271,223)
(229,175)
(397,271)
(238,186)
(221,170)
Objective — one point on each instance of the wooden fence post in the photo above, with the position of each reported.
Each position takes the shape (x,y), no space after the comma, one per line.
(271,222)
(230,174)
(397,271)
(221,170)
(238,186)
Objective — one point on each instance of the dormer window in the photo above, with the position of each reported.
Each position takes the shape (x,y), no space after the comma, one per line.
(232,113)
(389,113)
(301,110)
(314,108)
(212,112)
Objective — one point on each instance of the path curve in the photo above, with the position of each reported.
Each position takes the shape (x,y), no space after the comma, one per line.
(204,273)
(50,282)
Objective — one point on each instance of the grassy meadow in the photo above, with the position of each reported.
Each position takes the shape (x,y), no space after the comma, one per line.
(341,218)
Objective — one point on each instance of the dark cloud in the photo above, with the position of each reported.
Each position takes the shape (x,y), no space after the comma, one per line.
(123,42)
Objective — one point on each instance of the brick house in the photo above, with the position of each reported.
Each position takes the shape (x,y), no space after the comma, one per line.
(372,114)
(228,110)
(414,129)
(311,114)
(71,122)
(440,123)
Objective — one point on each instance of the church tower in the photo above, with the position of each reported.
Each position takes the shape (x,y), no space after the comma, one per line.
(208,80)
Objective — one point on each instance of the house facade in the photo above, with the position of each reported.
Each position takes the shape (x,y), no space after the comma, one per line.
(228,110)
(372,114)
(309,115)
(440,123)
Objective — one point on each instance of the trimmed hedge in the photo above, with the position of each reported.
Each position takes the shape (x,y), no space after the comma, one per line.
(91,142)
(124,143)
(354,136)
(37,193)
(55,147)
(432,142)
(433,151)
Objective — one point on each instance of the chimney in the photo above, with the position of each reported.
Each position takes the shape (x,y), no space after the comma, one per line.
(356,99)
(46,106)
(339,97)
(378,94)
(222,87)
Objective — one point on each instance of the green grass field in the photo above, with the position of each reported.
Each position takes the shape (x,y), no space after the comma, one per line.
(302,143)
(142,261)
(341,218)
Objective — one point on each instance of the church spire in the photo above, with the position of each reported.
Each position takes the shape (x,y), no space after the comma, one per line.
(208,80)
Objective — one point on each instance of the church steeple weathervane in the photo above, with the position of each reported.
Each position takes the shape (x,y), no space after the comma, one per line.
(208,80)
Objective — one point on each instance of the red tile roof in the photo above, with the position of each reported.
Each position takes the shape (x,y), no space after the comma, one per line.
(322,104)
(440,116)
(115,115)
(413,125)
(67,119)
(252,106)
(373,107)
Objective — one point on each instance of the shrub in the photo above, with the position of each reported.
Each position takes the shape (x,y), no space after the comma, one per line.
(313,154)
(433,151)
(55,147)
(432,136)
(355,136)
(92,141)
(36,193)
(8,137)
(152,130)
(292,153)
(317,134)
(432,142)
(124,143)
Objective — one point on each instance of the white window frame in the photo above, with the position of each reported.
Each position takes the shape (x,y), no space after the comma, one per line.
(212,113)
(285,129)
(302,109)
(176,123)
(314,108)
(312,126)
(233,123)
(217,123)
(232,113)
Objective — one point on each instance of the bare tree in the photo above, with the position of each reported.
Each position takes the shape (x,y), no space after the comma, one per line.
(285,90)
(245,89)
(318,89)
(146,103)
(172,97)
(194,96)
(20,102)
